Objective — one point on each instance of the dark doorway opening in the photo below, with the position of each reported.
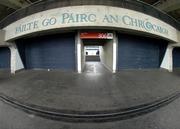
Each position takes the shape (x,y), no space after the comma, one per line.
(4,58)
(96,55)
(92,53)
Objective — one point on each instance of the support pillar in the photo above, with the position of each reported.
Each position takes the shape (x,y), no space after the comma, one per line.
(16,62)
(78,52)
(167,62)
(115,45)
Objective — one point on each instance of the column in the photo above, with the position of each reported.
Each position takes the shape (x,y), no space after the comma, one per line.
(167,62)
(16,62)
(115,50)
(78,52)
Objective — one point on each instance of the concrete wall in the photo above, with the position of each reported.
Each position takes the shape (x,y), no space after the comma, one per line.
(16,61)
(167,62)
(2,38)
(19,63)
(82,56)
(90,16)
(106,54)
(168,5)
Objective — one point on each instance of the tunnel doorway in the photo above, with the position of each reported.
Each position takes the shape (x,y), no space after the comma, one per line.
(92,53)
(52,52)
(97,54)
(5,55)
(92,59)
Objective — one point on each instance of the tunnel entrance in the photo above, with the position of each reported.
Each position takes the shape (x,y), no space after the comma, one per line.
(92,53)
(92,60)
(97,55)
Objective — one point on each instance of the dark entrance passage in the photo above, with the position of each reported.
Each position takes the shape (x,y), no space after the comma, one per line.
(93,59)
(97,55)
(136,52)
(4,58)
(176,58)
(48,52)
(97,48)
(92,53)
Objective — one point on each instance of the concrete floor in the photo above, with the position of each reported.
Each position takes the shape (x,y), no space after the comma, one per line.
(95,68)
(165,118)
(96,89)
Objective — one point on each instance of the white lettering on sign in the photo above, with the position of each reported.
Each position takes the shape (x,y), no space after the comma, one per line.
(105,36)
(90,16)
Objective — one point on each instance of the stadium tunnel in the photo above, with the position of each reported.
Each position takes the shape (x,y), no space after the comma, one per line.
(55,37)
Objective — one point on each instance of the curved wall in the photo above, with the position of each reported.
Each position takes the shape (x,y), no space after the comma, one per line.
(51,4)
(91,16)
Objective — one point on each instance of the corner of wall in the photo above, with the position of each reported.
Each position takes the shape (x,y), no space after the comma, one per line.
(16,61)
(167,62)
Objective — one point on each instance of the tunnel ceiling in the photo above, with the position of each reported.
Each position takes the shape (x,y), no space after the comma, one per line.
(172,7)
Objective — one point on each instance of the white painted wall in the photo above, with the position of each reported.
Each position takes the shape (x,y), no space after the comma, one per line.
(16,61)
(82,56)
(79,49)
(167,62)
(19,63)
(106,54)
(115,52)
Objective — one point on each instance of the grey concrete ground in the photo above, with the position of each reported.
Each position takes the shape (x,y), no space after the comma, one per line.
(94,90)
(167,117)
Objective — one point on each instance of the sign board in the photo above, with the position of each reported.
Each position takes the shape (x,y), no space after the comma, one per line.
(96,35)
(90,16)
